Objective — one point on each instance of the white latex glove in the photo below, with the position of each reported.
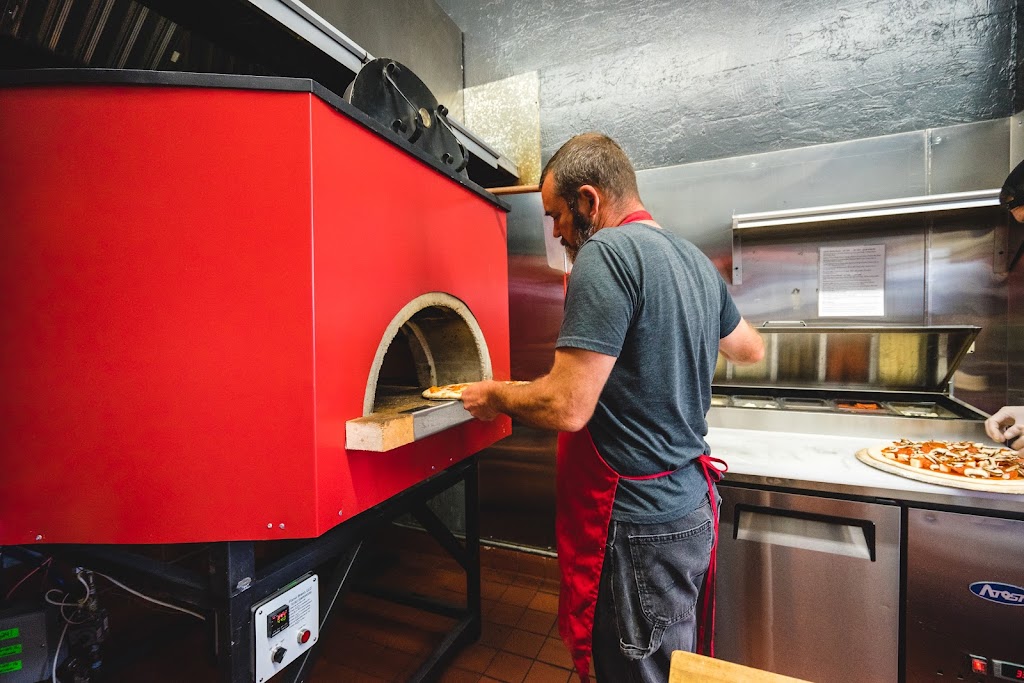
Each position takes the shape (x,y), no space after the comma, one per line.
(1007,425)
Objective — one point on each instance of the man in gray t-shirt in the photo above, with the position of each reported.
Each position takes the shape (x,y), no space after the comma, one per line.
(656,303)
(646,315)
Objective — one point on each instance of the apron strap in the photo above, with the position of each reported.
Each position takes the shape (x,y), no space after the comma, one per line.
(637,216)
(713,469)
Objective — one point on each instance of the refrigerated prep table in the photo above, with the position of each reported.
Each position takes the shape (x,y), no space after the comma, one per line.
(832,570)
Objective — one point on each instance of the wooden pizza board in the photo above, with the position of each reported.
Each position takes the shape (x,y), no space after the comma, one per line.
(688,667)
(941,478)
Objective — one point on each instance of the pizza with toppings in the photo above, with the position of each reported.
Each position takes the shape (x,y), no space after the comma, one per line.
(453,392)
(954,463)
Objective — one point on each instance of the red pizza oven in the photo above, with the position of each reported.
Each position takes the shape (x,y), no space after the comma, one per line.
(207,290)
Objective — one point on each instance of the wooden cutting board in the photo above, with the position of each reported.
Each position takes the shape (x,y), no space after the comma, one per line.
(688,667)
(940,478)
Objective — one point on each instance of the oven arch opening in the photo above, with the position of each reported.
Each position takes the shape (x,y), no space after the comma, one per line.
(433,340)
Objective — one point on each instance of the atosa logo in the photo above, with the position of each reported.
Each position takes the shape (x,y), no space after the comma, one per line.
(1003,593)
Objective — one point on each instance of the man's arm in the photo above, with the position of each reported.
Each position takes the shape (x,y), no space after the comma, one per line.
(564,399)
(743,345)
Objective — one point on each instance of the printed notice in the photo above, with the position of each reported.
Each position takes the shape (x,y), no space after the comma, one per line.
(851,281)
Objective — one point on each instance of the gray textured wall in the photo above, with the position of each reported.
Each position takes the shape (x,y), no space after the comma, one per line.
(417,33)
(677,82)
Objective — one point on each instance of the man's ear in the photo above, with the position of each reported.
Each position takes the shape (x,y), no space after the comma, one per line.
(588,201)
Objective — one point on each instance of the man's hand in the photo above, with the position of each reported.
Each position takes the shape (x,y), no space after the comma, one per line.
(1006,425)
(563,400)
(476,398)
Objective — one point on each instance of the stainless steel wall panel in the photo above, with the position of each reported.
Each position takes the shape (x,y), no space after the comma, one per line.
(1015,333)
(1016,139)
(1015,277)
(699,200)
(517,475)
(536,291)
(525,224)
(780,275)
(963,287)
(517,489)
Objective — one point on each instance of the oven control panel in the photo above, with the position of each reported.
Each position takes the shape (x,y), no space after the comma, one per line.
(1008,670)
(982,666)
(285,626)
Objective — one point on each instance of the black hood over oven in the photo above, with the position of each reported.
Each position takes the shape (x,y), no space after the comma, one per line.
(245,37)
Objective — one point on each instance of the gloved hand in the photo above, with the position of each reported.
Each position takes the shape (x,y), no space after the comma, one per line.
(1007,425)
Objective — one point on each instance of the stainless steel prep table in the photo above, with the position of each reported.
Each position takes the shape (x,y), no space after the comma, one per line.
(832,570)
(820,464)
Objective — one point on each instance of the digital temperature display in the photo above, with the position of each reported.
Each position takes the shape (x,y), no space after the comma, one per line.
(1009,671)
(277,622)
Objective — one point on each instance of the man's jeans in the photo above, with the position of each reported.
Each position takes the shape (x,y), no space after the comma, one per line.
(646,606)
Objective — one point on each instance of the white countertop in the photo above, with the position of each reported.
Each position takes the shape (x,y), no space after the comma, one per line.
(819,462)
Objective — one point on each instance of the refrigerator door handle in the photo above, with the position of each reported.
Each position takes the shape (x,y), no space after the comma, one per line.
(804,530)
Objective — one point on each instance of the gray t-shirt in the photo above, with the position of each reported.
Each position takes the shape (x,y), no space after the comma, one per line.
(656,303)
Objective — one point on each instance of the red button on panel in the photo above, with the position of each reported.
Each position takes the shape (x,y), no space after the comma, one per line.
(979,665)
(304,636)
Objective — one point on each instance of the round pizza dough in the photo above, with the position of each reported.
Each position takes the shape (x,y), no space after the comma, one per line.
(874,457)
(453,392)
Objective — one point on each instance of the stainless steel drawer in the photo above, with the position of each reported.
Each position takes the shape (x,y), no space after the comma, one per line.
(809,586)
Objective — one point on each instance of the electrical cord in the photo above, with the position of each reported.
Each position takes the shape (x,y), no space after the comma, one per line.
(60,641)
(25,578)
(67,620)
(134,592)
(62,605)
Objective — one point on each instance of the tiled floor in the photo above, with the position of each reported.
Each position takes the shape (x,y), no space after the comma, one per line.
(370,640)
(374,640)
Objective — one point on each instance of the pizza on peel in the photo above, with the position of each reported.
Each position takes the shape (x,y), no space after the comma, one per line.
(453,392)
(956,459)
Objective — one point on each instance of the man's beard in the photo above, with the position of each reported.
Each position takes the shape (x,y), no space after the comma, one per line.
(582,229)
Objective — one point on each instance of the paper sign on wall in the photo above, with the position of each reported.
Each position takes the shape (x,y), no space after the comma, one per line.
(851,281)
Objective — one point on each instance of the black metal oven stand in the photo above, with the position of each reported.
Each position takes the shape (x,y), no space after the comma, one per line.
(234,584)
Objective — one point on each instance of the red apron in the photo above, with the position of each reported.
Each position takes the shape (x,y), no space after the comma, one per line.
(586,492)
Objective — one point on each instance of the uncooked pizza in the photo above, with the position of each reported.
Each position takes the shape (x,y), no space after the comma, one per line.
(953,459)
(453,392)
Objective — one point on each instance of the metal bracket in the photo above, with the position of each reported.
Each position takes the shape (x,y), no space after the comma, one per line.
(737,255)
(1001,249)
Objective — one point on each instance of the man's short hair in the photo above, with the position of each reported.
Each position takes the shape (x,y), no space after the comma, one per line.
(1012,194)
(591,159)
